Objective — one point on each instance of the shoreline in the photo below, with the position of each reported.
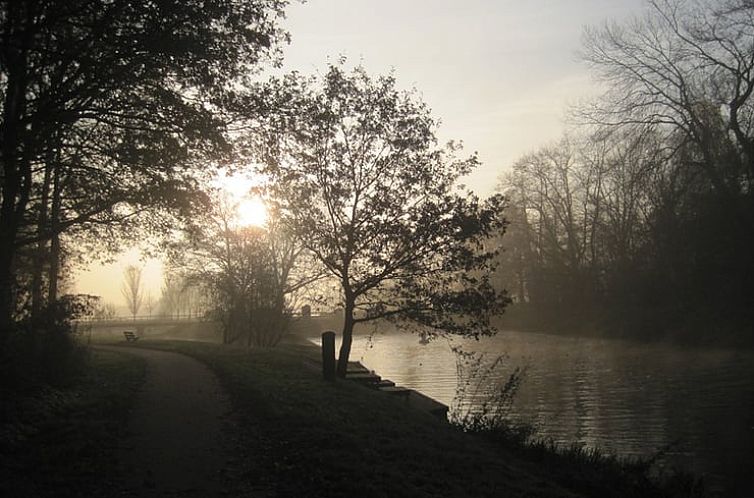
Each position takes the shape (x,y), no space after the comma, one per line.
(364,408)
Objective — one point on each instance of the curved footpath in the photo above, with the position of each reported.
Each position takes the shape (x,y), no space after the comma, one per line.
(175,445)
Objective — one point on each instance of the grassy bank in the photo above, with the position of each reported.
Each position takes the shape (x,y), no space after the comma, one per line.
(590,471)
(61,441)
(307,437)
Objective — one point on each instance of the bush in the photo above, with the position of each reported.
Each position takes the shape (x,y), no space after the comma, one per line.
(43,351)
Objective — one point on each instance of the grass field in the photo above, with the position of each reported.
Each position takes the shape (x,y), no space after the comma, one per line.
(295,434)
(61,442)
(309,437)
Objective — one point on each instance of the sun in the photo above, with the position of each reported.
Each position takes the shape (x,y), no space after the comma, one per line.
(236,192)
(252,212)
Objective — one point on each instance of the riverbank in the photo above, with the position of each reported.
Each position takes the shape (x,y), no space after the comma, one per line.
(342,439)
(294,434)
(700,329)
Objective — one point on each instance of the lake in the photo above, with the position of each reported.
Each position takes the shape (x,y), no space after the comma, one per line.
(626,398)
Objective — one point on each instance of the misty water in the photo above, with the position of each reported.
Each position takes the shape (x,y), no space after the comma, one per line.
(626,398)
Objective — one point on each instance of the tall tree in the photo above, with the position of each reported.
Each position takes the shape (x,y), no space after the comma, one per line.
(360,179)
(127,94)
(171,294)
(132,289)
(683,76)
(686,70)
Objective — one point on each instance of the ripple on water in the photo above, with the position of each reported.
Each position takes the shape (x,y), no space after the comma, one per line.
(626,398)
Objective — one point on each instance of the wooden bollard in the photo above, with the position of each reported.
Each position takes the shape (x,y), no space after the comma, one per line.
(328,355)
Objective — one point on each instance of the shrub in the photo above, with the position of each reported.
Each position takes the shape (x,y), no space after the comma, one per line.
(43,351)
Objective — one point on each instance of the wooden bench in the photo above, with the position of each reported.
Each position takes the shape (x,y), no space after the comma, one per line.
(130,336)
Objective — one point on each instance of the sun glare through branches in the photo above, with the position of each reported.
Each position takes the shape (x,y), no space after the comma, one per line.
(251,212)
(249,209)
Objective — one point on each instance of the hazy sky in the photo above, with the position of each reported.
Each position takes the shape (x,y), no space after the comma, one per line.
(498,73)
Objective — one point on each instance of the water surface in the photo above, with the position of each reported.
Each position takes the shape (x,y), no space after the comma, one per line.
(626,398)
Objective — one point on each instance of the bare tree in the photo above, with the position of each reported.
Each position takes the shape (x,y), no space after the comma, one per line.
(685,69)
(149,303)
(170,294)
(552,190)
(132,289)
(582,207)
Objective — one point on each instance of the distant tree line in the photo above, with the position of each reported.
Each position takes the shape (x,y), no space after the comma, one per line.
(641,221)
(180,297)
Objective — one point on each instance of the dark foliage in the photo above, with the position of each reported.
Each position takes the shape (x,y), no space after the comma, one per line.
(362,183)
(44,351)
(112,112)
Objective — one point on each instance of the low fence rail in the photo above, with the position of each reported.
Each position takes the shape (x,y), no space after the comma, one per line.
(155,320)
(121,321)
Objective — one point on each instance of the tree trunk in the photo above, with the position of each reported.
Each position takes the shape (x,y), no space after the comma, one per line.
(521,283)
(52,294)
(40,255)
(345,345)
(6,282)
(14,171)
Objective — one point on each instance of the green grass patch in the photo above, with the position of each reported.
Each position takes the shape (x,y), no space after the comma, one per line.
(302,436)
(308,437)
(590,471)
(61,441)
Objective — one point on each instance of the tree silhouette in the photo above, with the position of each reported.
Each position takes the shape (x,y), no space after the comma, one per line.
(354,165)
(132,290)
(685,70)
(250,272)
(109,110)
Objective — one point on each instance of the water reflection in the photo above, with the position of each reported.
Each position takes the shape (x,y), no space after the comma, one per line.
(625,398)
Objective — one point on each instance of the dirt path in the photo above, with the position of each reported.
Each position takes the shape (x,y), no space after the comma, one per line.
(176,445)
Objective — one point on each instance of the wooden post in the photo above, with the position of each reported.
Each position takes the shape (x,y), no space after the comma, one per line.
(328,355)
